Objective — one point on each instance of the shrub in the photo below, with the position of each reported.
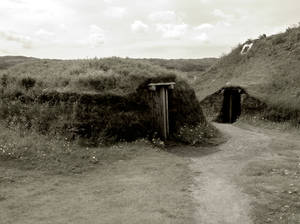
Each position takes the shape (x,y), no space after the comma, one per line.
(27,82)
(263,36)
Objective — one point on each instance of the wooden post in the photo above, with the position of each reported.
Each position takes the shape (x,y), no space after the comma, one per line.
(167,112)
(230,108)
(164,115)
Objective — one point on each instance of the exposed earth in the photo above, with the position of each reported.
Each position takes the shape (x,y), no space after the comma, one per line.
(251,178)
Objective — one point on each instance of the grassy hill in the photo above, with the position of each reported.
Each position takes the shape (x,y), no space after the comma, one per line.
(269,71)
(189,69)
(9,61)
(185,65)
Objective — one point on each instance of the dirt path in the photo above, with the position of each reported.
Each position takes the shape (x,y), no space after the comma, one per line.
(219,199)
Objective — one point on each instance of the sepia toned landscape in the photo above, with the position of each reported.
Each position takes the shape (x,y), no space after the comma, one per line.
(151,137)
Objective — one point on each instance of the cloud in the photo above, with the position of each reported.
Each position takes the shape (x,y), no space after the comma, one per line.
(172,31)
(164,17)
(139,27)
(115,12)
(204,26)
(205,1)
(202,37)
(221,14)
(44,34)
(96,36)
(223,23)
(25,41)
(169,24)
(62,26)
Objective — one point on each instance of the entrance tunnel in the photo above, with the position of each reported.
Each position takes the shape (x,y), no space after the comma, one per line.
(231,107)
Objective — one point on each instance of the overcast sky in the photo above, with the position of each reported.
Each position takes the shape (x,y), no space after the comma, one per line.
(138,28)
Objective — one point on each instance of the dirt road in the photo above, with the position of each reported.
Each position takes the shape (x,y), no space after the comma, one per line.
(220,199)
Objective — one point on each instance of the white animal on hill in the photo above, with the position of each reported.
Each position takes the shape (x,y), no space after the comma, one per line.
(246,48)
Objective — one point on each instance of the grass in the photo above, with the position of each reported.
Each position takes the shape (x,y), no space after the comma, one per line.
(259,121)
(125,183)
(10,61)
(184,65)
(30,150)
(188,69)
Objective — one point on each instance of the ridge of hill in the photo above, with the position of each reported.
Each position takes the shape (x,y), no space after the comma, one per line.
(184,65)
(10,61)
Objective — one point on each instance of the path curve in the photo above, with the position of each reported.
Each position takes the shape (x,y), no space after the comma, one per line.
(219,199)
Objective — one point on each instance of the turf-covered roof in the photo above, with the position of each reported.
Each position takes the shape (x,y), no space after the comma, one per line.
(270,70)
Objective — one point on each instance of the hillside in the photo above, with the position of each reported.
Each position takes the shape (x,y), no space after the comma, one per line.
(185,65)
(9,61)
(189,69)
(269,71)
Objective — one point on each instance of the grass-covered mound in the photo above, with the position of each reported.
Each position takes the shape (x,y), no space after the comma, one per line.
(269,72)
(99,99)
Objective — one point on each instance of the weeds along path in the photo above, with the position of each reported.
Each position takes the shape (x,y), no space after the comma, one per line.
(219,199)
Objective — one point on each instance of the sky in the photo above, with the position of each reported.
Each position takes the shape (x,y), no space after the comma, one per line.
(72,29)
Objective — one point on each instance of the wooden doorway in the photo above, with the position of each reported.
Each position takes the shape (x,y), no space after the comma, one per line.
(231,109)
(160,107)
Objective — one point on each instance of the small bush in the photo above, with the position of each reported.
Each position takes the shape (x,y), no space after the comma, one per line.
(27,82)
(4,80)
(195,135)
(263,36)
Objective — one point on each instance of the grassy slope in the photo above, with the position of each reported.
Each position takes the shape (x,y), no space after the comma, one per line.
(184,65)
(265,71)
(189,69)
(120,76)
(79,75)
(10,61)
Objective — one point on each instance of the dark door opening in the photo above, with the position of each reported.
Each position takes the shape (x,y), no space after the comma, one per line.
(160,107)
(231,109)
